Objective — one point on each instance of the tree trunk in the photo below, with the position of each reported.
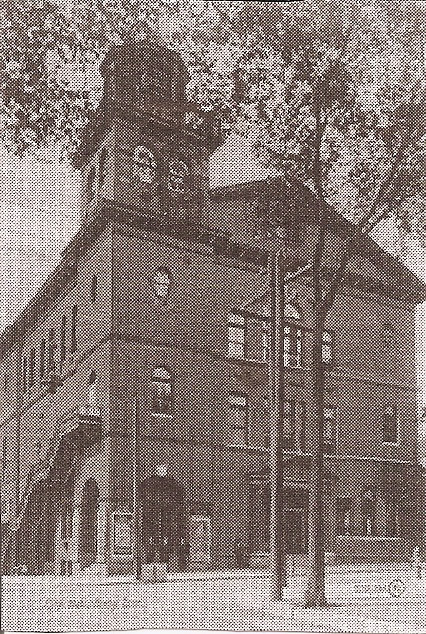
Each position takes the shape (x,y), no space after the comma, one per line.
(315,592)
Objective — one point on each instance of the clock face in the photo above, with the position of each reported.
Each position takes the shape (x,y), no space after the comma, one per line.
(178,172)
(144,165)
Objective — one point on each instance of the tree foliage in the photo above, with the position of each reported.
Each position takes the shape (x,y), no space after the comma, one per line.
(264,67)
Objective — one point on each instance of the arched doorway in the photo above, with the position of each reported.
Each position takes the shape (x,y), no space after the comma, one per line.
(163,519)
(88,524)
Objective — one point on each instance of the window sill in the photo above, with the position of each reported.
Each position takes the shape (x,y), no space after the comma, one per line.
(160,415)
(390,444)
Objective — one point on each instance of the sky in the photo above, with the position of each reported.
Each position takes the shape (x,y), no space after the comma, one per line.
(39,213)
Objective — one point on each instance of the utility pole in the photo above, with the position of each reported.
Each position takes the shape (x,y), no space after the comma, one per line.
(136,496)
(276,393)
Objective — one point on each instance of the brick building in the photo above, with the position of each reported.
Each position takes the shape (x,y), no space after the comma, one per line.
(156,320)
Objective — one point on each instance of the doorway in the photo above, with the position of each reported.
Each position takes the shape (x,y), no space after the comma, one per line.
(163,525)
(88,526)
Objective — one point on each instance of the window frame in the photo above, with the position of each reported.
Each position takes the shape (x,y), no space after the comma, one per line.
(236,322)
(178,163)
(240,408)
(395,409)
(156,381)
(329,345)
(292,337)
(150,166)
(345,504)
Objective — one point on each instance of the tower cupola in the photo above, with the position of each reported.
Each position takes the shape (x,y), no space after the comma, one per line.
(141,148)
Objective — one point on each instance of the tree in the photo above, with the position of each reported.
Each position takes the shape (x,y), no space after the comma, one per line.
(326,114)
(330,94)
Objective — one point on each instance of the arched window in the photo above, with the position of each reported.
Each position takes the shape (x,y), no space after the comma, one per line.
(178,172)
(91,184)
(92,393)
(144,165)
(162,280)
(103,166)
(162,392)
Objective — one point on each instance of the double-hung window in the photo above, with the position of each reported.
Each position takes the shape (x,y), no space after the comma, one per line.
(292,340)
(237,419)
(327,347)
(330,430)
(162,393)
(236,336)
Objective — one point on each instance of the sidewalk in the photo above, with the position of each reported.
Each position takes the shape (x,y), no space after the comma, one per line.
(214,574)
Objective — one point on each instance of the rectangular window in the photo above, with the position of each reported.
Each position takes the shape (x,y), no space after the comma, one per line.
(301,426)
(162,399)
(343,516)
(265,341)
(31,372)
(237,419)
(63,338)
(390,424)
(292,352)
(74,329)
(327,347)
(42,368)
(236,336)
(24,375)
(330,430)
(52,345)
(288,425)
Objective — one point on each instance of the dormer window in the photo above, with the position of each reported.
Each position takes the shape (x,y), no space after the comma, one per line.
(144,165)
(178,172)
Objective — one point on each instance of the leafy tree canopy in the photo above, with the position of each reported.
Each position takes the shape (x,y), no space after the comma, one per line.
(266,68)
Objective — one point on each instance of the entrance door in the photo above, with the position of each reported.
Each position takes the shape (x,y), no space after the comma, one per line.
(294,531)
(88,527)
(163,521)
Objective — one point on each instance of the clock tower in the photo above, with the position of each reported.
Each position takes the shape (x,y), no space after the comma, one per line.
(146,148)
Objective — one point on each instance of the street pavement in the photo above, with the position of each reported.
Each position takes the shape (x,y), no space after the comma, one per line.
(361,599)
